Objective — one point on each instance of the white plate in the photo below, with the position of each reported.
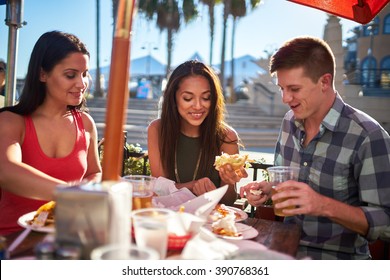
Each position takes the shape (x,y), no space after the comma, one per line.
(243,214)
(247,232)
(23,221)
(248,245)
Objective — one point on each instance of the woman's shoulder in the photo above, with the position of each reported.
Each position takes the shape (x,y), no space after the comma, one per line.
(231,134)
(10,117)
(154,124)
(87,119)
(86,116)
(11,123)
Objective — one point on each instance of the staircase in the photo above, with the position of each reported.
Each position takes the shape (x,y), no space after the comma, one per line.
(253,126)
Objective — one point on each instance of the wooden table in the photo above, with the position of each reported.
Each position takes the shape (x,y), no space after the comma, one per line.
(277,236)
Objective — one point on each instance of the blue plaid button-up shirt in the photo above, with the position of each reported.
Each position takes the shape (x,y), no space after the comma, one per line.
(349,160)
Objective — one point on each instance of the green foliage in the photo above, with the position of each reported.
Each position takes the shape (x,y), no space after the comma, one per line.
(133,165)
(134,148)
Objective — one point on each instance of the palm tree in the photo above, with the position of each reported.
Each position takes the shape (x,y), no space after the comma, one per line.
(238,9)
(115,4)
(211,5)
(226,11)
(169,14)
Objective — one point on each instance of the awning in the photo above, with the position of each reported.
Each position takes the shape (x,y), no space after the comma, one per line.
(361,11)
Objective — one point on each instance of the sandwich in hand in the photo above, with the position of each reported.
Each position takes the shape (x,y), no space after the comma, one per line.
(236,161)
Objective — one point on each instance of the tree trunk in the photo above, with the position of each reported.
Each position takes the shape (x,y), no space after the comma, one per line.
(98,88)
(212,25)
(224,27)
(233,93)
(169,50)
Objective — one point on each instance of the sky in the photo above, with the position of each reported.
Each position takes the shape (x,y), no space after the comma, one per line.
(263,29)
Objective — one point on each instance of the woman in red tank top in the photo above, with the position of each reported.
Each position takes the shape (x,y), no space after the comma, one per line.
(47,139)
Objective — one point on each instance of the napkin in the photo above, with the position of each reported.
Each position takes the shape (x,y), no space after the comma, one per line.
(168,195)
(164,186)
(206,246)
(185,223)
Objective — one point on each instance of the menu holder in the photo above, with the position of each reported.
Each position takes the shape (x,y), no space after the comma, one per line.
(89,216)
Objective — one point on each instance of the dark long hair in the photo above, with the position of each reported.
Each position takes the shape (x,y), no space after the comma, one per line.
(213,130)
(50,49)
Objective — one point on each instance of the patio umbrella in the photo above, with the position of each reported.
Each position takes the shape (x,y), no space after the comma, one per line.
(118,92)
(361,11)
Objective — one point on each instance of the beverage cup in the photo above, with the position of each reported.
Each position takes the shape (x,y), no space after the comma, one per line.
(150,227)
(119,252)
(279,174)
(143,186)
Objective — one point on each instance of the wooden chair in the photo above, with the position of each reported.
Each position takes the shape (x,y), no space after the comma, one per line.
(380,250)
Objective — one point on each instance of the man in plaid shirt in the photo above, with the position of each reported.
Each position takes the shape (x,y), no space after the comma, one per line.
(342,198)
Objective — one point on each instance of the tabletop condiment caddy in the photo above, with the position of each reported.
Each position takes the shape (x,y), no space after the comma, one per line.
(92,215)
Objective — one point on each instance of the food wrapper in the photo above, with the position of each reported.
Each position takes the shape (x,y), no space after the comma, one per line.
(185,223)
(203,205)
(176,199)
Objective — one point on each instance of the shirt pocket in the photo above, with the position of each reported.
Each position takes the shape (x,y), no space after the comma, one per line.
(331,178)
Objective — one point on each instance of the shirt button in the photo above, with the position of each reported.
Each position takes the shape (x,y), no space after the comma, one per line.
(305,163)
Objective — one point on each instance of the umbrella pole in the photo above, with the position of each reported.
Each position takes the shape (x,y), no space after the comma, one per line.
(118,93)
(14,21)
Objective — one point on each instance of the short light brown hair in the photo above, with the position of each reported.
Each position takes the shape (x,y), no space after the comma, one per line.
(313,54)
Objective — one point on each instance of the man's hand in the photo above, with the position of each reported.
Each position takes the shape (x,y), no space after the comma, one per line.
(256,192)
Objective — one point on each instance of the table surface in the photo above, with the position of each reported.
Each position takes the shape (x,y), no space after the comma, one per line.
(274,235)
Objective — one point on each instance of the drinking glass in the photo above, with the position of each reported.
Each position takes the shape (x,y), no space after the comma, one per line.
(279,174)
(143,186)
(151,228)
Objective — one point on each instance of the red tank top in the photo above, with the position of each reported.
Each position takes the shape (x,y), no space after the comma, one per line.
(69,168)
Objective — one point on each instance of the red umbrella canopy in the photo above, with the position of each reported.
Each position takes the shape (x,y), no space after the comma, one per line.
(361,11)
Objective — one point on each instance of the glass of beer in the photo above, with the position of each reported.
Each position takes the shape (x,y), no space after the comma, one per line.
(279,174)
(143,186)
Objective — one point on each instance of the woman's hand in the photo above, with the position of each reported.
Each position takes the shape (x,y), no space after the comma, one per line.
(202,186)
(256,192)
(231,176)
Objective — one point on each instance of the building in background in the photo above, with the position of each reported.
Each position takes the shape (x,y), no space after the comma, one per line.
(362,69)
(367,56)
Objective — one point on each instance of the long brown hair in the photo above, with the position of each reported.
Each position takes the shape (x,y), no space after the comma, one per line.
(213,130)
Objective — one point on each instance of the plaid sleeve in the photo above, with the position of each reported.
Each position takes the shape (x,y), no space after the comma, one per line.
(374,180)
